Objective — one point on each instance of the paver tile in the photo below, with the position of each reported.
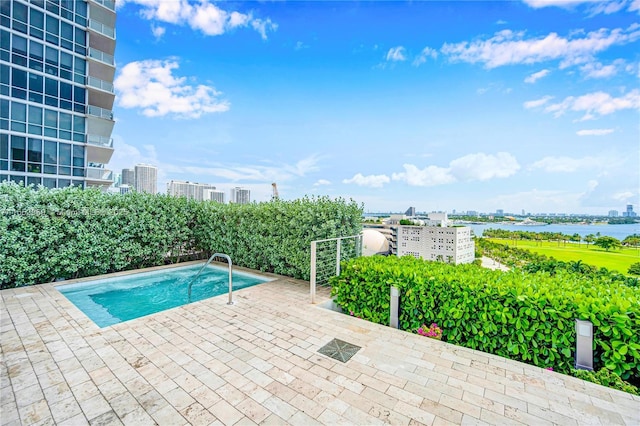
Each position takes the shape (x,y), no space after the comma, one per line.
(253,410)
(256,362)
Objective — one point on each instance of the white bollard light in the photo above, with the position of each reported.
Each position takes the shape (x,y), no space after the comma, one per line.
(393,307)
(584,345)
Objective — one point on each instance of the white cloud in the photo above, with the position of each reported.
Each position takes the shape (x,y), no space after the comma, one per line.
(263,26)
(472,167)
(623,196)
(429,176)
(248,172)
(373,181)
(536,76)
(607,7)
(151,85)
(508,48)
(538,102)
(483,167)
(158,31)
(597,70)
(635,5)
(396,54)
(303,166)
(427,52)
(594,132)
(202,16)
(596,104)
(322,182)
(536,4)
(594,7)
(563,164)
(300,45)
(238,19)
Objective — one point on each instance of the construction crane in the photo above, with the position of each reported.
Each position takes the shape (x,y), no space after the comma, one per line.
(274,195)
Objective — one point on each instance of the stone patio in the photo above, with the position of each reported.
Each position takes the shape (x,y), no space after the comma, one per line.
(256,362)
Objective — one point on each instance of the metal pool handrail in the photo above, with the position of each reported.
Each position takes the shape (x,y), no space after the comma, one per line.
(230,302)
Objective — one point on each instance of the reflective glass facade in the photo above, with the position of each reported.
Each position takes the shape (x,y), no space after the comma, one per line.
(56,91)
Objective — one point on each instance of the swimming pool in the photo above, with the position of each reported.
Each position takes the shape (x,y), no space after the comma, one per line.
(110,301)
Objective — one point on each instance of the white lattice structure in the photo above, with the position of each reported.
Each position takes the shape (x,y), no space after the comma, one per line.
(444,244)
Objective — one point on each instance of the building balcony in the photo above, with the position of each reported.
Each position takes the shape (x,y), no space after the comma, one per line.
(96,176)
(100,84)
(100,112)
(100,141)
(103,29)
(109,4)
(101,56)
(101,94)
(99,149)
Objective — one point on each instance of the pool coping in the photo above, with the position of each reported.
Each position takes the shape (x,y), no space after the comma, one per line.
(269,275)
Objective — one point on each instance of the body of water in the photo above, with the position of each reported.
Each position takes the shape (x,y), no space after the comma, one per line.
(617,231)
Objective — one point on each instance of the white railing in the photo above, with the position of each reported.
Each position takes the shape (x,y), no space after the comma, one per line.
(101,56)
(100,112)
(326,256)
(109,4)
(100,141)
(99,174)
(100,84)
(102,28)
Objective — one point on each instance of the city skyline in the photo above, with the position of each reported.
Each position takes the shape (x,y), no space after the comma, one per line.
(509,105)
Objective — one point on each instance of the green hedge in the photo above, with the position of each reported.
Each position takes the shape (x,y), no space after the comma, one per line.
(276,236)
(526,317)
(71,233)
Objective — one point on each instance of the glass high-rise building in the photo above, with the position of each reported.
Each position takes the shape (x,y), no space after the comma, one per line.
(56,91)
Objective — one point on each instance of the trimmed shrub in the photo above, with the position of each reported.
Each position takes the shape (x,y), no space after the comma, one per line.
(525,317)
(606,378)
(72,233)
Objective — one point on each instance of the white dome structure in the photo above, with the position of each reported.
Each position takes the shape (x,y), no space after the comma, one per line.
(374,242)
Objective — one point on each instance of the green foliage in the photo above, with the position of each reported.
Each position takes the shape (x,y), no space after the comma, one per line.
(526,317)
(607,378)
(608,243)
(634,269)
(276,236)
(632,240)
(532,262)
(71,233)
(406,222)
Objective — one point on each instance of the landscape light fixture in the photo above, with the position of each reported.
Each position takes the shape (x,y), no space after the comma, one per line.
(584,345)
(393,307)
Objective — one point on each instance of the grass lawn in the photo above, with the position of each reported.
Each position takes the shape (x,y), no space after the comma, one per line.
(616,260)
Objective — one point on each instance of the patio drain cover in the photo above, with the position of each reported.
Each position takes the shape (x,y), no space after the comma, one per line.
(340,350)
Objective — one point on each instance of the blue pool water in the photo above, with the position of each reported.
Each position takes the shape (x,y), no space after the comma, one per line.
(112,300)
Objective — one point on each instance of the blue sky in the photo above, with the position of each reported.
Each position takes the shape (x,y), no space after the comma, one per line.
(472,105)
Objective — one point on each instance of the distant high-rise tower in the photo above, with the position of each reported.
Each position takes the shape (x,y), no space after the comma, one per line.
(128,177)
(613,213)
(56,91)
(411,212)
(193,191)
(213,195)
(146,178)
(240,196)
(629,212)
